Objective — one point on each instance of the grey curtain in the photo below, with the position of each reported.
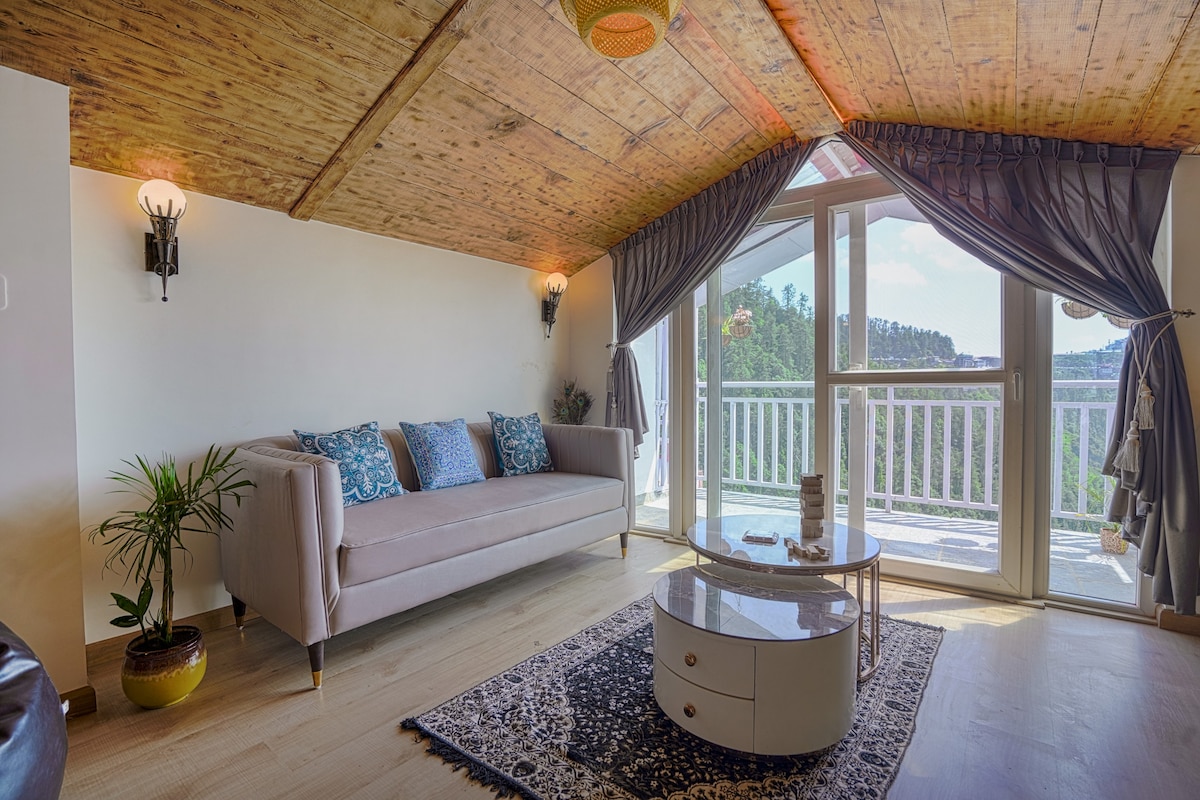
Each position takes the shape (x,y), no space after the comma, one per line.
(655,268)
(1079,220)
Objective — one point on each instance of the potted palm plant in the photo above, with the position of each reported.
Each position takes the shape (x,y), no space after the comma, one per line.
(166,661)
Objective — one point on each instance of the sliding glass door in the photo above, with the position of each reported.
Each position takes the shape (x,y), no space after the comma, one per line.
(755,403)
(1087,561)
(924,376)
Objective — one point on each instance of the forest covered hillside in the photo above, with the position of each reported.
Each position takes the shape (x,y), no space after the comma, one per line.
(781,346)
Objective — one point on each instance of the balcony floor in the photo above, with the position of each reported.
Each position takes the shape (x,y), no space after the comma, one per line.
(1078,566)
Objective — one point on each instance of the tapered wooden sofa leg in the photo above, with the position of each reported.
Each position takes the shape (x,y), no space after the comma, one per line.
(316,661)
(239,613)
(624,544)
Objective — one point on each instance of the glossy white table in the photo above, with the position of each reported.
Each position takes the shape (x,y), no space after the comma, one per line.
(850,551)
(756,662)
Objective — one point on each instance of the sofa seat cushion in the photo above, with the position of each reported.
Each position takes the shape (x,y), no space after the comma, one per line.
(400,533)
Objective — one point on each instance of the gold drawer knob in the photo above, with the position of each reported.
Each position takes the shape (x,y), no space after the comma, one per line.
(690,659)
(689,710)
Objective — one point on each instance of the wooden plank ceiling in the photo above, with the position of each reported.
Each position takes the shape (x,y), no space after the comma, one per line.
(486,127)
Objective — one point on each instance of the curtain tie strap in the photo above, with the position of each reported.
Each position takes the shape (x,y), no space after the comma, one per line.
(1143,406)
(1171,312)
(613,347)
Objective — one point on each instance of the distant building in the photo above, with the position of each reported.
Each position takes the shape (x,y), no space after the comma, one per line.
(968,361)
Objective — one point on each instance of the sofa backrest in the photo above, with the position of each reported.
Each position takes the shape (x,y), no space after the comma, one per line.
(393,438)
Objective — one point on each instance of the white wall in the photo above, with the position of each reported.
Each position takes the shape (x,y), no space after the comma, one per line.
(1185,265)
(593,325)
(276,324)
(1185,268)
(40,595)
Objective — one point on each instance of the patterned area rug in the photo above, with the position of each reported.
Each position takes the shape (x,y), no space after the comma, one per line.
(579,721)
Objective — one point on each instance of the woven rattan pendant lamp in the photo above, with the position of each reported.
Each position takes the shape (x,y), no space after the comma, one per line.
(621,28)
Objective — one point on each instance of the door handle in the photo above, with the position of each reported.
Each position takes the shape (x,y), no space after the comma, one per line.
(1018,385)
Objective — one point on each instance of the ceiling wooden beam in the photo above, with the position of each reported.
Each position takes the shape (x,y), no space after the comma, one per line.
(452,29)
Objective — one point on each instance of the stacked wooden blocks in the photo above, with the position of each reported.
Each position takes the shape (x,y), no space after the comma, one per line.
(813,552)
(812,505)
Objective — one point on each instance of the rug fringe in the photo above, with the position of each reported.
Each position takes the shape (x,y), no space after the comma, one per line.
(481,773)
(912,623)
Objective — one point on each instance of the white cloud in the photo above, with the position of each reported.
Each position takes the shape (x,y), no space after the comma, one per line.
(895,273)
(920,234)
(931,246)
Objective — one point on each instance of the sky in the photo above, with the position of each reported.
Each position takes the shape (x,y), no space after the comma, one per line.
(915,277)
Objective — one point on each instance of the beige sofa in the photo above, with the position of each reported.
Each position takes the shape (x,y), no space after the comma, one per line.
(315,569)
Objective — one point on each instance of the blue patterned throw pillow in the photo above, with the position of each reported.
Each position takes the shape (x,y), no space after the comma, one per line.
(362,458)
(521,443)
(442,453)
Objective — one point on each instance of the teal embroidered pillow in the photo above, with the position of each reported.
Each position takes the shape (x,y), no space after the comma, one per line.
(363,461)
(442,453)
(521,443)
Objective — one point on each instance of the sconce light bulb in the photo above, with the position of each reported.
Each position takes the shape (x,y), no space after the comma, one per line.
(159,198)
(556,283)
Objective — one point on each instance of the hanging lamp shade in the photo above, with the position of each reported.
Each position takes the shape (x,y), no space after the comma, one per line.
(1118,322)
(621,28)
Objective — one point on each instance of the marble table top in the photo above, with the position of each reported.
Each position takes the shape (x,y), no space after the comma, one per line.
(733,602)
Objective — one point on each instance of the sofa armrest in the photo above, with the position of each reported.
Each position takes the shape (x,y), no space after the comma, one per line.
(594,450)
(281,557)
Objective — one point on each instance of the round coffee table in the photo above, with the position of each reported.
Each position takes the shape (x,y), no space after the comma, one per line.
(755,662)
(721,539)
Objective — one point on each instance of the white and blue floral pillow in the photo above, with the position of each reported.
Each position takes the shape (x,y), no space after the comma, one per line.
(442,453)
(363,461)
(521,443)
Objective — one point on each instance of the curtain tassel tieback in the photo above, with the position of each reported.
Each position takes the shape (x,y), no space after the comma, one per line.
(1129,454)
(613,347)
(1143,408)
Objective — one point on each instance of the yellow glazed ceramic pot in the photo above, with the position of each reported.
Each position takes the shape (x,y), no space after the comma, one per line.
(158,678)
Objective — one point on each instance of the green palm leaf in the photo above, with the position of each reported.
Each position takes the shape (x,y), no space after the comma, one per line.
(143,542)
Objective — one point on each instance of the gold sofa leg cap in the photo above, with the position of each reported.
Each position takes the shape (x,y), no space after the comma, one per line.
(240,622)
(317,679)
(624,552)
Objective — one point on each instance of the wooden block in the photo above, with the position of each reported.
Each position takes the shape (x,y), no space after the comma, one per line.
(82,701)
(1168,620)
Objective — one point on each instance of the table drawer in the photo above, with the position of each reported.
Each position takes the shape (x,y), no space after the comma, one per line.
(714,717)
(720,663)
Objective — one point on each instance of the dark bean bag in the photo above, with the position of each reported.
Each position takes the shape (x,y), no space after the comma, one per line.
(33,732)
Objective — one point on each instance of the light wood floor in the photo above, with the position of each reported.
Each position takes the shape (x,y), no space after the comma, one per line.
(1023,703)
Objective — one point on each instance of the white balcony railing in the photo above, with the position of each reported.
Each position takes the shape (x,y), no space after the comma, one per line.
(943,452)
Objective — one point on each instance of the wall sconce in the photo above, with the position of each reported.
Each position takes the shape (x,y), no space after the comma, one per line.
(164,203)
(556,284)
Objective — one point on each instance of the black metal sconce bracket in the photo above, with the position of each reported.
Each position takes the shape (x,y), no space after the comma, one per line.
(549,312)
(160,254)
